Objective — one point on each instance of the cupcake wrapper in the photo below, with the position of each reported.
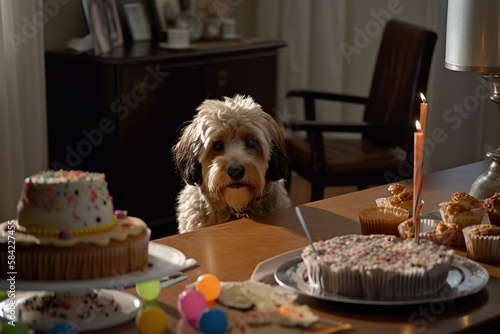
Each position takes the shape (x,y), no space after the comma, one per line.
(379,220)
(380,203)
(379,284)
(482,248)
(72,265)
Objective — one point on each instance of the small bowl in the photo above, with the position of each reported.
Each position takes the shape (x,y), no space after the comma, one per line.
(428,231)
(381,220)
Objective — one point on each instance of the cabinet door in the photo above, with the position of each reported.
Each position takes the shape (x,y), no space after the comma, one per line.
(254,76)
(82,130)
(156,100)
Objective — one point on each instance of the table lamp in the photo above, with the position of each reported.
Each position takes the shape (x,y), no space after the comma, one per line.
(473,45)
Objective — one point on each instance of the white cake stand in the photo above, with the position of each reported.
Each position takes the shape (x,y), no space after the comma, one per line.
(163,260)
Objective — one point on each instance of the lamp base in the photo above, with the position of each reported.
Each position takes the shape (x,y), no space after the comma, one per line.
(494,78)
(488,183)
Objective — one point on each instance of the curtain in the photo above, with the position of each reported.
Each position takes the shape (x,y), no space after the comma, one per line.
(23,130)
(312,59)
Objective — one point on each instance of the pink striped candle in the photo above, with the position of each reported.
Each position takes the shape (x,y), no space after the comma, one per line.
(418,177)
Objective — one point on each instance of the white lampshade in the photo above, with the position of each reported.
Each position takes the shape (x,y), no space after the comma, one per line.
(473,36)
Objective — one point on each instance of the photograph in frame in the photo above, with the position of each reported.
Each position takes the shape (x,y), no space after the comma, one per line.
(167,12)
(137,21)
(97,25)
(113,20)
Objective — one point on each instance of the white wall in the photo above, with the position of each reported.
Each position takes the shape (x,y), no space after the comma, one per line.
(67,23)
(468,134)
(463,137)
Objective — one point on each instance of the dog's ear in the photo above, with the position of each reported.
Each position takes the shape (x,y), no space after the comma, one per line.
(185,156)
(279,166)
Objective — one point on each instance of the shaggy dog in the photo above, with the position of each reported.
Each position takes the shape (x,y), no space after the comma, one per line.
(232,158)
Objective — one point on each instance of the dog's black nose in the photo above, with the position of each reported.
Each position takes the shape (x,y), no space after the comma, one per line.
(236,172)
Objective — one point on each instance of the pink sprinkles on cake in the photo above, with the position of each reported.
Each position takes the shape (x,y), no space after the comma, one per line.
(376,251)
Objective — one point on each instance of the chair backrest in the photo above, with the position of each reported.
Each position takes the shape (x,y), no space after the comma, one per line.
(401,74)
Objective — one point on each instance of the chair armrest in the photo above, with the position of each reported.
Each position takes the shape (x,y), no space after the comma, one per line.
(363,127)
(327,96)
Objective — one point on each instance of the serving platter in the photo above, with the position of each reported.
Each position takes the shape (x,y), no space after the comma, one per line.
(466,277)
(163,260)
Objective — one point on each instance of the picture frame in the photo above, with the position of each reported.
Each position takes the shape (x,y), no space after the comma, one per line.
(97,25)
(167,12)
(114,25)
(137,20)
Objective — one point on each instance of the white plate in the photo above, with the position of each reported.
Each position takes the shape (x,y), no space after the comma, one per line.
(466,277)
(173,47)
(129,306)
(264,271)
(163,260)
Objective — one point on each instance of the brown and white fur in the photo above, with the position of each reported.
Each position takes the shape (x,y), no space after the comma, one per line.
(232,158)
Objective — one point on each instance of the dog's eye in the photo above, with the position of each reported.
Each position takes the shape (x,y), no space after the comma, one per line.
(218,146)
(251,143)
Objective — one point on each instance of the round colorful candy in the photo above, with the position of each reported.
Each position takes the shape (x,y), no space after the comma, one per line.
(148,290)
(18,328)
(212,321)
(209,286)
(61,328)
(151,320)
(191,303)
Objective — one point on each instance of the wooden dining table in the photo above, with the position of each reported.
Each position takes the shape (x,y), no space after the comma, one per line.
(232,250)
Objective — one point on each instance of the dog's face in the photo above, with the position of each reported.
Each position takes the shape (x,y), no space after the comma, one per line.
(230,149)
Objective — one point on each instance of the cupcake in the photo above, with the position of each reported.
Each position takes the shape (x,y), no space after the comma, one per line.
(382,220)
(492,207)
(482,242)
(401,198)
(434,230)
(463,210)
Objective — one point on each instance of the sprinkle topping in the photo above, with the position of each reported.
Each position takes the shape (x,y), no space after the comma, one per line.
(376,250)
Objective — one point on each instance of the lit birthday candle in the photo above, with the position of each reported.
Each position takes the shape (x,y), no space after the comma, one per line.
(423,112)
(418,177)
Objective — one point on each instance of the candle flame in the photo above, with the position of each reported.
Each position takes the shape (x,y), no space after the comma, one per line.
(422,97)
(417,125)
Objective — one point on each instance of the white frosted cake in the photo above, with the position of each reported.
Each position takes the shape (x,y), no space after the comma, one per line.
(67,228)
(57,202)
(377,267)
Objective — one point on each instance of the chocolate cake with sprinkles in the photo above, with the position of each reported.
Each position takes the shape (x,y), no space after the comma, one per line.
(377,266)
(67,229)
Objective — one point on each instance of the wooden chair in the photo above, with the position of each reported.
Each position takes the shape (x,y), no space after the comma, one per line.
(391,109)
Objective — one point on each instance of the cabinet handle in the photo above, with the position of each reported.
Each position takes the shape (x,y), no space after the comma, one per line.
(222,78)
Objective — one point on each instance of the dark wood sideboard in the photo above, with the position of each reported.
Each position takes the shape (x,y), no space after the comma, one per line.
(121,113)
